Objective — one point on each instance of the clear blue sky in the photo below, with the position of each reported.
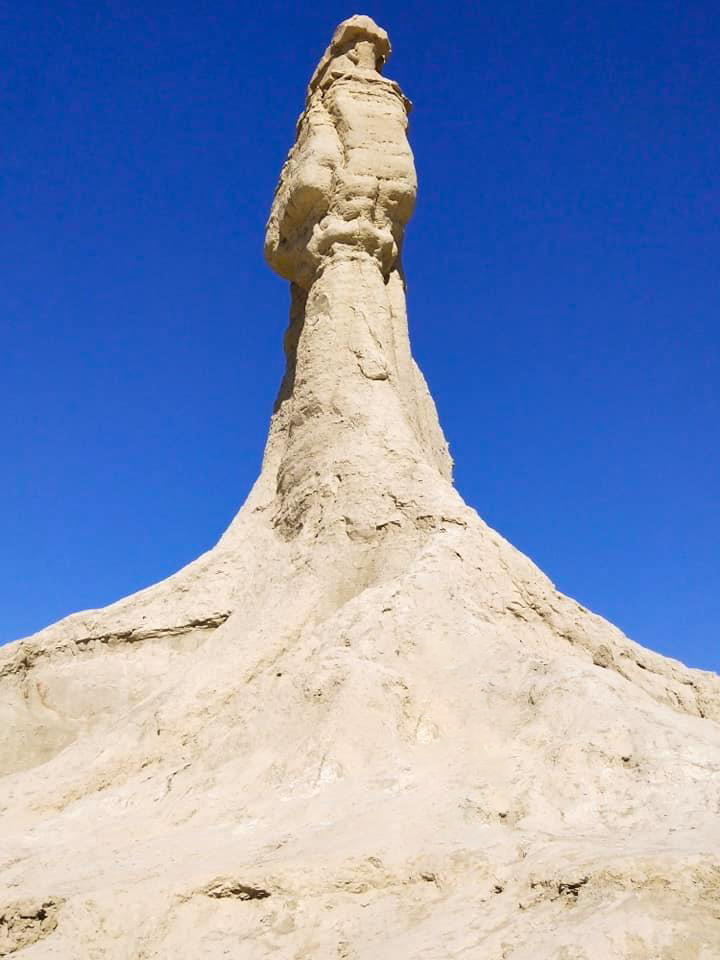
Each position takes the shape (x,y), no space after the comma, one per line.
(564,287)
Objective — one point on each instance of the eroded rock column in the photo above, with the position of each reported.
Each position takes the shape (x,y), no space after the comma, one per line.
(355,432)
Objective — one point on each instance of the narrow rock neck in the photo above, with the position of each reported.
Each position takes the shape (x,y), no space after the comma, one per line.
(354,423)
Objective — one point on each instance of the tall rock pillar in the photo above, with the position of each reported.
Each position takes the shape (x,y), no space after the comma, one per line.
(355,438)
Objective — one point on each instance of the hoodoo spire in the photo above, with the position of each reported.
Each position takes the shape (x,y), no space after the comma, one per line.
(354,416)
(363,724)
(348,186)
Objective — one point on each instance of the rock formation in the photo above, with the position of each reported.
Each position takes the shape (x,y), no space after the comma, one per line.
(363,725)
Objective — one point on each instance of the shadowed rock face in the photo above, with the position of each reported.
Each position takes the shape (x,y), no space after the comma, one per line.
(363,725)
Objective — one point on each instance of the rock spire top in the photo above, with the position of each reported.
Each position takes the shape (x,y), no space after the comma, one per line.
(357,42)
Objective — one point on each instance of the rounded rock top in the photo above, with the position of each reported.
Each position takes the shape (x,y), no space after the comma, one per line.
(361,27)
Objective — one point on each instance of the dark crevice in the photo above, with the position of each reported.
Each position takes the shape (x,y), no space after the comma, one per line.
(230,890)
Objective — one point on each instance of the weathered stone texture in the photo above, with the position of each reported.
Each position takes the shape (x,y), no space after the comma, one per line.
(363,725)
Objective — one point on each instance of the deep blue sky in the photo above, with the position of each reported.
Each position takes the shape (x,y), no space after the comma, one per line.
(564,288)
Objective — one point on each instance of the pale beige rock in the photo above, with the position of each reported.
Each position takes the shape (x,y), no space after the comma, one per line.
(362,726)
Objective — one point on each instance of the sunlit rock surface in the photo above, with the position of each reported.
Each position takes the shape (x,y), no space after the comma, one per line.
(363,725)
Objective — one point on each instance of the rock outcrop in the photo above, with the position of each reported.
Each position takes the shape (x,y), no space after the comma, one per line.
(363,725)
